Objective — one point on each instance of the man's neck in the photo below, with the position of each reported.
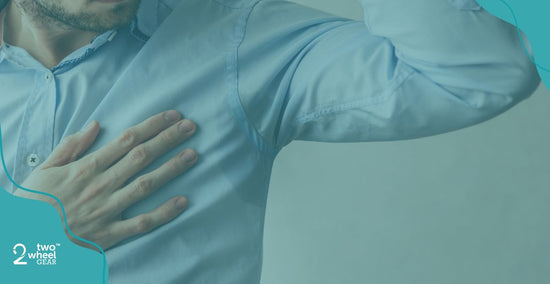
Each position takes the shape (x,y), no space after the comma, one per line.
(44,38)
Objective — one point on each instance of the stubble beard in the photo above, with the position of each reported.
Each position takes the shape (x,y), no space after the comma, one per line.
(53,12)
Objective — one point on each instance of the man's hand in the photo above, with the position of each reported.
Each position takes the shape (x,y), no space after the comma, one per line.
(93,189)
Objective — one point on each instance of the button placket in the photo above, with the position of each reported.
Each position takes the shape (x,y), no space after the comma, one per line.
(35,141)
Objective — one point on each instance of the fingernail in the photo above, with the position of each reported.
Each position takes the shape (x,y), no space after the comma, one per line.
(181,203)
(88,126)
(171,116)
(186,126)
(189,156)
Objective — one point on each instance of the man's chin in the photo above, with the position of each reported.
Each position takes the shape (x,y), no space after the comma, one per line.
(117,15)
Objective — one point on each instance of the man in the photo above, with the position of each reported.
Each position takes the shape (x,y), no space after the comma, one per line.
(253,76)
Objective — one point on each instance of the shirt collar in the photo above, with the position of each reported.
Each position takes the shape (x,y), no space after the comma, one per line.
(142,27)
(147,17)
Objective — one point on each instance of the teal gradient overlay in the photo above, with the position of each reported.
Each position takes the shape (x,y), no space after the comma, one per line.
(32,222)
(530,16)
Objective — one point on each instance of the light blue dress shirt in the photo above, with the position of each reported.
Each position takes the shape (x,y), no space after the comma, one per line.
(255,75)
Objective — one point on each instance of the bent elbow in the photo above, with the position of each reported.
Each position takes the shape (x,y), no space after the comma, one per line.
(498,88)
(523,80)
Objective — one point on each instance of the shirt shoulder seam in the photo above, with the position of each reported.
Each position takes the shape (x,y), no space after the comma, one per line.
(232,67)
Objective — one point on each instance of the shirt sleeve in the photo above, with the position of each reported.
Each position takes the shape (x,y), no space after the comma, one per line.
(412,69)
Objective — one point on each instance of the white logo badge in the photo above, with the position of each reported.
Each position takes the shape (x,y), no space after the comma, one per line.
(44,254)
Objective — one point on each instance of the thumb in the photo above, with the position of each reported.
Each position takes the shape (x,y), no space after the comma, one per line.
(72,146)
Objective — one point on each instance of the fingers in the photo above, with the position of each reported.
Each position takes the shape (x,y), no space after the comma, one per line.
(72,146)
(132,137)
(142,155)
(147,184)
(147,222)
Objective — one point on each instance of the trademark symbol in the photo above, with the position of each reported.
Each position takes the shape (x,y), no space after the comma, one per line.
(58,244)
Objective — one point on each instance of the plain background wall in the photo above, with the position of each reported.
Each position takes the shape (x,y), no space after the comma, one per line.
(470,206)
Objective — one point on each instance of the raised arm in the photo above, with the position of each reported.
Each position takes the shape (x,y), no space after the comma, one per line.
(416,68)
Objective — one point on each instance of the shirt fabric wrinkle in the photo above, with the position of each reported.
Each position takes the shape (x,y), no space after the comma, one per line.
(239,69)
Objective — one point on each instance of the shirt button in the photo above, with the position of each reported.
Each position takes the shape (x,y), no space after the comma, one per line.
(33,160)
(48,77)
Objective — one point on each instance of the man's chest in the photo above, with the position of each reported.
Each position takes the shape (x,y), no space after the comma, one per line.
(119,85)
